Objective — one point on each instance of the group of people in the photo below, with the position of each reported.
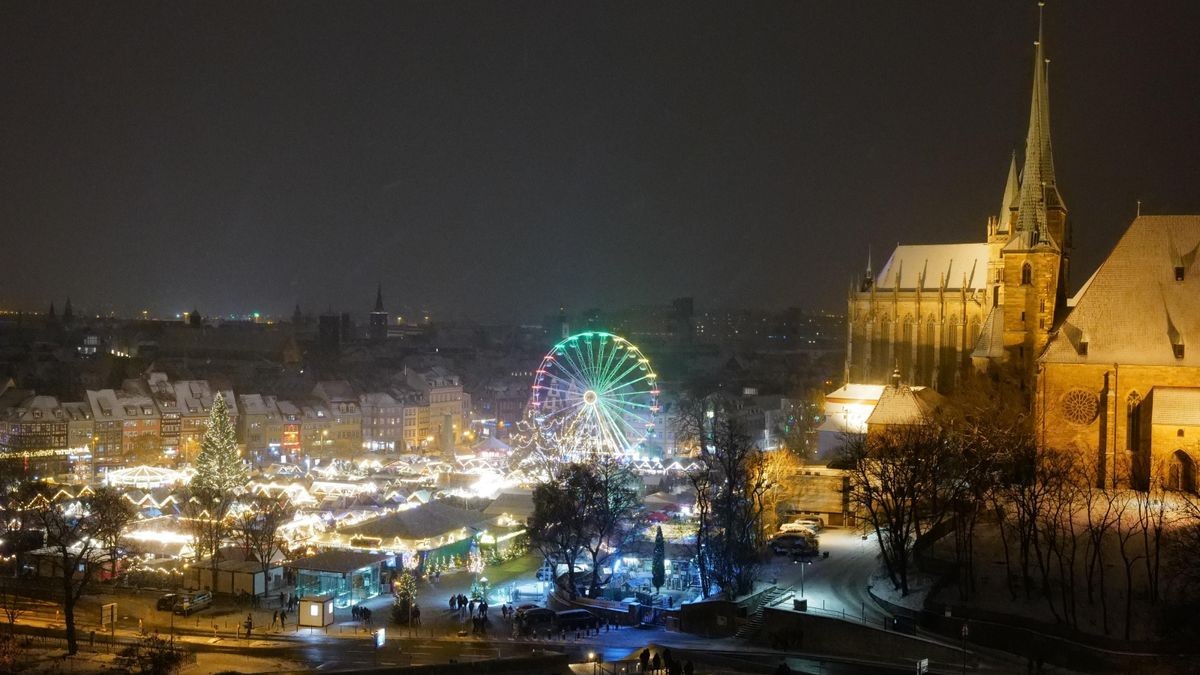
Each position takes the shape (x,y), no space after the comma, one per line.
(360,613)
(279,616)
(663,662)
(288,601)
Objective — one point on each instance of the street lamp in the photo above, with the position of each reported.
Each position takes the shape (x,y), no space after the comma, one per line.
(803,564)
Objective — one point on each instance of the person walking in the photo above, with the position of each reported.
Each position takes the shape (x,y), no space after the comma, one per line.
(274,618)
(249,625)
(656,663)
(282,620)
(644,658)
(281,599)
(688,668)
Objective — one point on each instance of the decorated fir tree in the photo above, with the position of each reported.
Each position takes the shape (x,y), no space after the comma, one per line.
(405,590)
(658,569)
(219,468)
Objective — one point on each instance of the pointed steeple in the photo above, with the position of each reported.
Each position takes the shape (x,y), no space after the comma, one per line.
(379,298)
(1037,178)
(51,315)
(297,315)
(1009,202)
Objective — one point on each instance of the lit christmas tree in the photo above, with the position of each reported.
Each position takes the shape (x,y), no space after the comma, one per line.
(219,468)
(405,589)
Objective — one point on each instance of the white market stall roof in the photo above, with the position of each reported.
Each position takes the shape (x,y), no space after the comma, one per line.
(491,445)
(145,477)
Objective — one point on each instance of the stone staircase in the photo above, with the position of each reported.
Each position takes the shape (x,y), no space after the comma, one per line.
(765,599)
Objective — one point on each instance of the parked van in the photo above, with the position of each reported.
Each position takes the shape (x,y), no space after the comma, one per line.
(575,619)
(193,603)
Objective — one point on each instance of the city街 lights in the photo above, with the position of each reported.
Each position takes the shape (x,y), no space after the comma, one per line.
(599,387)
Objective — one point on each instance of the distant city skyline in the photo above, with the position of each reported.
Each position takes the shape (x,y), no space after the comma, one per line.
(499,160)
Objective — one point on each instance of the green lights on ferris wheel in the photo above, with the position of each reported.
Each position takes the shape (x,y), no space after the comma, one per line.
(601,387)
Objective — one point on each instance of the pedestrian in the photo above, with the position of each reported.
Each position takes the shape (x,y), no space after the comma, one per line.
(656,662)
(783,669)
(281,599)
(416,614)
(688,668)
(367,614)
(453,602)
(471,607)
(274,618)
(282,620)
(483,606)
(666,657)
(644,658)
(249,624)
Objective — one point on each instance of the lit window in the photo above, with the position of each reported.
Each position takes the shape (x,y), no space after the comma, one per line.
(314,610)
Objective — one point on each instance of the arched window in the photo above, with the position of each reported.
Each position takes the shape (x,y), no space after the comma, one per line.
(1133,404)
(1026,275)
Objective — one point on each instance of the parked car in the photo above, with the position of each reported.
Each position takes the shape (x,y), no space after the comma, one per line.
(167,602)
(535,618)
(815,523)
(799,528)
(525,607)
(193,603)
(794,544)
(575,619)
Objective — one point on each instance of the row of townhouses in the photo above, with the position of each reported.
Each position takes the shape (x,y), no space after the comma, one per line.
(152,419)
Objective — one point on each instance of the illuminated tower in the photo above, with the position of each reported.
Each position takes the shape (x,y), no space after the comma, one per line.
(1035,257)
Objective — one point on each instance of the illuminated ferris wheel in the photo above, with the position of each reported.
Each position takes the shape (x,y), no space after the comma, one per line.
(600,390)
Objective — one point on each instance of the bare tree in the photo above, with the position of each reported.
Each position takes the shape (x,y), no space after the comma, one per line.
(701,482)
(558,526)
(902,478)
(12,604)
(257,528)
(612,507)
(76,530)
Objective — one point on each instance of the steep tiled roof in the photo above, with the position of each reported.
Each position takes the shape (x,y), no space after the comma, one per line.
(991,336)
(930,263)
(905,405)
(1176,406)
(1134,311)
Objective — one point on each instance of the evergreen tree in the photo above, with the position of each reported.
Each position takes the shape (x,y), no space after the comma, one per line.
(219,468)
(406,597)
(659,565)
(220,476)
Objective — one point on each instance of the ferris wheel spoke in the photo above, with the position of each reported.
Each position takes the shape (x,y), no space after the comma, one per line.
(593,357)
(611,361)
(624,383)
(637,363)
(629,420)
(622,380)
(577,369)
(615,439)
(562,384)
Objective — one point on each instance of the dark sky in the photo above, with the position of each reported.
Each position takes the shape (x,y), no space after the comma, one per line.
(499,158)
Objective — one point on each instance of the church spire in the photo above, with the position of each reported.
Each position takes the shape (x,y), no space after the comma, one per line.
(1038,189)
(1008,203)
(379,298)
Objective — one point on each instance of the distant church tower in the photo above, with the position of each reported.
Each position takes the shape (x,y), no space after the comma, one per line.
(378,326)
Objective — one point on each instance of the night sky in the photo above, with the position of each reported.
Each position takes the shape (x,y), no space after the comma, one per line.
(496,159)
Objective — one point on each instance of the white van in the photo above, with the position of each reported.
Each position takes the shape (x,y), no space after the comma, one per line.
(798,528)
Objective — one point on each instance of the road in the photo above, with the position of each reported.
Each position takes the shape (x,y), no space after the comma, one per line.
(837,584)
